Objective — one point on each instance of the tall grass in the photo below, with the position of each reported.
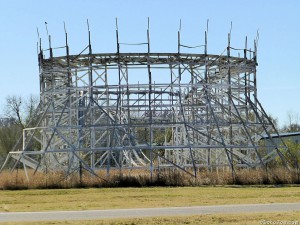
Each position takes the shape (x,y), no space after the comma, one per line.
(141,178)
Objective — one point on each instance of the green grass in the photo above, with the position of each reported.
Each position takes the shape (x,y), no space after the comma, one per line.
(118,198)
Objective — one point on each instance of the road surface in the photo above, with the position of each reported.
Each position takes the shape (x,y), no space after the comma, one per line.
(146,212)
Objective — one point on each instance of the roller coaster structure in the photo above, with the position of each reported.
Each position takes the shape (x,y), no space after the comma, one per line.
(147,110)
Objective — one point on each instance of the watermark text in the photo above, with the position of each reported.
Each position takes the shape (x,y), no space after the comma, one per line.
(279,222)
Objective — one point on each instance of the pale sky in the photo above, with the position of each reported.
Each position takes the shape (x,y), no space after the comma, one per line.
(278,22)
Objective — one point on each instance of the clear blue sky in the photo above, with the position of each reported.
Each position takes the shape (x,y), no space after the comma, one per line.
(278,23)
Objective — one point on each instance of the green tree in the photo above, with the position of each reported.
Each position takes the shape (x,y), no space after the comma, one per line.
(293,155)
(9,136)
(274,122)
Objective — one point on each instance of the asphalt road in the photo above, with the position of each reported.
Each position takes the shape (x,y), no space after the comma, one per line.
(146,212)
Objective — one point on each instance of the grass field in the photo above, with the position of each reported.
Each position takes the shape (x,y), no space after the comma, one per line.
(118,198)
(248,219)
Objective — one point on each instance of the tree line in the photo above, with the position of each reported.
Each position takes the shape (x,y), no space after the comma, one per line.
(17,113)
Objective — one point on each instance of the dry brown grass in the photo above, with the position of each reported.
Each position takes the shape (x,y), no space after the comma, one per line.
(121,198)
(141,178)
(245,218)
